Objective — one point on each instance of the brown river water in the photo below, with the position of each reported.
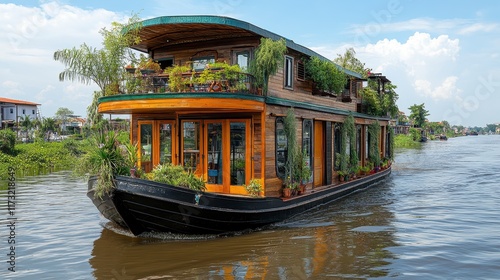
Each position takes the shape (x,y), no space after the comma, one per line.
(435,217)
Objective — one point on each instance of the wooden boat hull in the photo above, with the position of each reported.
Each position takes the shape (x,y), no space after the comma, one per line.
(146,206)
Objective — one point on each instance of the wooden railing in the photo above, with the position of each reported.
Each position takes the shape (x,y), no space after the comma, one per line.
(147,82)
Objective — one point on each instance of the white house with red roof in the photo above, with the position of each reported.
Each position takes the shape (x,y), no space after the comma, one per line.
(13,110)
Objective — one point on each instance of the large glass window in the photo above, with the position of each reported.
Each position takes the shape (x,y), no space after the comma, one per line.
(146,146)
(165,143)
(367,142)
(337,144)
(281,148)
(214,153)
(288,71)
(388,143)
(191,145)
(237,152)
(358,141)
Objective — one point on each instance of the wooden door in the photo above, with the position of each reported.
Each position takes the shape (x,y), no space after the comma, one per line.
(319,154)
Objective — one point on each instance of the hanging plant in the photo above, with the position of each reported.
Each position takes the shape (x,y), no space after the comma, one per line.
(269,57)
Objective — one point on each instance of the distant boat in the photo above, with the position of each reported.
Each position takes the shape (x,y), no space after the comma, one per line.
(443,137)
(474,133)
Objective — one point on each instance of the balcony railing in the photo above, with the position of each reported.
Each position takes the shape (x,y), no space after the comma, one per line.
(194,81)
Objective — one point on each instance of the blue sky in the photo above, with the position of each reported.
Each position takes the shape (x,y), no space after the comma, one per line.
(444,54)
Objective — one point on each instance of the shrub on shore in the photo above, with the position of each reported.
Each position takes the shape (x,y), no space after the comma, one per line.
(405,141)
(39,158)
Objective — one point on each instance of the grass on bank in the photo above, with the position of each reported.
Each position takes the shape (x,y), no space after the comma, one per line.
(40,158)
(405,141)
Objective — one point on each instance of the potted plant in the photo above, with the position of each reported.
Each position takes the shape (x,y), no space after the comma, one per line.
(254,187)
(176,81)
(304,171)
(148,65)
(342,175)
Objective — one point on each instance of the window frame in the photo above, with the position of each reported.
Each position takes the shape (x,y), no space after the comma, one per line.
(280,174)
(288,72)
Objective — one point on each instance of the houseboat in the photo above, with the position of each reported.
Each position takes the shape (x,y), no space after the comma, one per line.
(231,130)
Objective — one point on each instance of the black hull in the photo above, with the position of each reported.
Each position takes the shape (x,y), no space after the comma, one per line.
(146,206)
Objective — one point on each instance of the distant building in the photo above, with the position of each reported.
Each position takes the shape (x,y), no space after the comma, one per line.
(12,111)
(74,124)
(402,124)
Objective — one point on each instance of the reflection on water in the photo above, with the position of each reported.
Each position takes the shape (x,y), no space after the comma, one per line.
(326,243)
(436,217)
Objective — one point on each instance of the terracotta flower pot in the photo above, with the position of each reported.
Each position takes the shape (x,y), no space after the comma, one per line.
(287,192)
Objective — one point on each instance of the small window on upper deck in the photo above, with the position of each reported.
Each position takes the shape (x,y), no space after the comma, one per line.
(242,59)
(166,62)
(288,72)
(200,63)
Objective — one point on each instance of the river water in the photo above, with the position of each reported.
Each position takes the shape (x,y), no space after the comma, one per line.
(435,217)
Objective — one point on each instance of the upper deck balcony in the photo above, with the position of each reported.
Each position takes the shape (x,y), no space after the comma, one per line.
(184,80)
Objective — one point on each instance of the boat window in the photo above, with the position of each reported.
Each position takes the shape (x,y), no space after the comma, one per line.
(237,152)
(146,146)
(288,72)
(358,141)
(242,59)
(166,62)
(388,143)
(367,143)
(306,141)
(200,63)
(281,147)
(214,153)
(337,140)
(191,145)
(165,143)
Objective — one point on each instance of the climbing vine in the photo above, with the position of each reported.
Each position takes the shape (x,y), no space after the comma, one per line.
(373,149)
(350,134)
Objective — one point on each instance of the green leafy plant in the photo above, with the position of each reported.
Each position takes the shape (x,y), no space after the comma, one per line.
(373,149)
(350,129)
(146,63)
(304,171)
(325,74)
(175,175)
(177,82)
(254,187)
(7,141)
(269,57)
(104,158)
(292,171)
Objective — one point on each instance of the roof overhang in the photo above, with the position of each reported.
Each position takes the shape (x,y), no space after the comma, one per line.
(169,31)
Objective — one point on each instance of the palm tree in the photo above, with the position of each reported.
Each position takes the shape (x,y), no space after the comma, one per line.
(104,67)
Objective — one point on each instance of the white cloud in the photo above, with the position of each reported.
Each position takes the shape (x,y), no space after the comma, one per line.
(445,90)
(29,36)
(478,27)
(425,62)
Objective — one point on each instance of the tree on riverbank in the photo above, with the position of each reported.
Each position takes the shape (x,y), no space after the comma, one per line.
(418,115)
